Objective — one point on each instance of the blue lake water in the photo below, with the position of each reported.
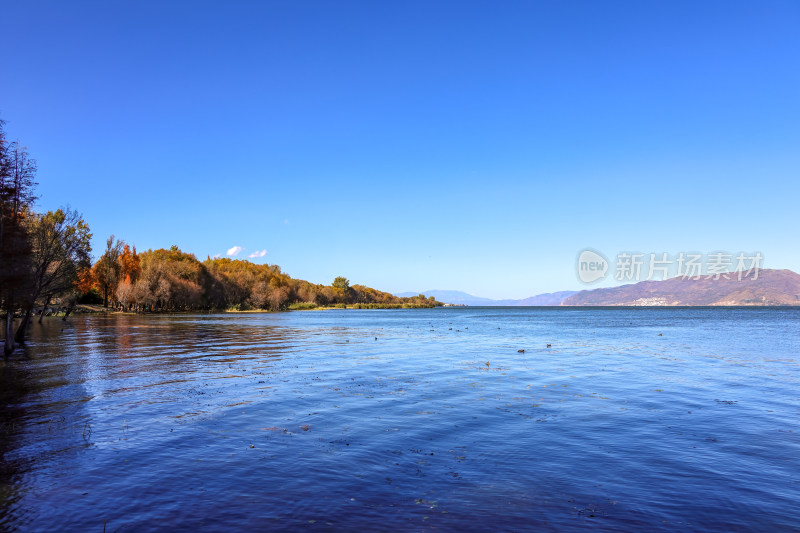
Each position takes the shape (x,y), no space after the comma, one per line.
(412,420)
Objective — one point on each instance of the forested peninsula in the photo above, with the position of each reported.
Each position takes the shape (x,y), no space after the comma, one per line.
(171,280)
(46,265)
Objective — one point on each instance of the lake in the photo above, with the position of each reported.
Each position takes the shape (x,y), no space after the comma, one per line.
(646,419)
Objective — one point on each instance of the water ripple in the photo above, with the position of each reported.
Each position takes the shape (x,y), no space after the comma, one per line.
(632,419)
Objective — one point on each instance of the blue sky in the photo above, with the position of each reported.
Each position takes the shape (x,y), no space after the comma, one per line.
(416,145)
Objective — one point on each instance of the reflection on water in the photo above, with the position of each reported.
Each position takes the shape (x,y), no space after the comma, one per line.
(634,419)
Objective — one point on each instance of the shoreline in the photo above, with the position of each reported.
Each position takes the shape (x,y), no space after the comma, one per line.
(94,309)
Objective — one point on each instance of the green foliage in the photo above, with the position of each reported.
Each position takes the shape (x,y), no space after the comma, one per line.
(61,244)
(107,269)
(341,283)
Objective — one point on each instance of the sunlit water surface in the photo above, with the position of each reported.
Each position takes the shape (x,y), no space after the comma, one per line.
(414,420)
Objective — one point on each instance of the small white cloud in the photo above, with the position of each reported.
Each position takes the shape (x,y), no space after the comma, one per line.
(236,250)
(260,253)
(286,221)
(217,256)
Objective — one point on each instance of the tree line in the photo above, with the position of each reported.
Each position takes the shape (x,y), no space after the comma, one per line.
(173,280)
(45,259)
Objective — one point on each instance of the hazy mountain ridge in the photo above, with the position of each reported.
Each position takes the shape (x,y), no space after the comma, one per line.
(546,299)
(463,298)
(771,287)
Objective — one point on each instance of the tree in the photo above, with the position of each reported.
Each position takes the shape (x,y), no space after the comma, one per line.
(17,182)
(129,271)
(341,286)
(86,281)
(60,246)
(107,270)
(129,264)
(170,280)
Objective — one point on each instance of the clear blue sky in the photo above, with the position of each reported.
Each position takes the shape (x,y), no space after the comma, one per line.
(476,146)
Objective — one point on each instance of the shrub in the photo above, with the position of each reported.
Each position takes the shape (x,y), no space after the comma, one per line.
(302,305)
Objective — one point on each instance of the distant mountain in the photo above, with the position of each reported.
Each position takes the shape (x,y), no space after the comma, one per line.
(463,298)
(455,297)
(771,287)
(546,299)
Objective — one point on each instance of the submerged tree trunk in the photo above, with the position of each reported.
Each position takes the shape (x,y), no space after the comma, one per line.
(9,344)
(44,309)
(20,336)
(67,312)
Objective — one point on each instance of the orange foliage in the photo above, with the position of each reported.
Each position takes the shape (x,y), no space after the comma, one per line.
(129,264)
(86,280)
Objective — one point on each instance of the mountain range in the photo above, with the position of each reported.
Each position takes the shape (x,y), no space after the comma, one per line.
(463,298)
(766,287)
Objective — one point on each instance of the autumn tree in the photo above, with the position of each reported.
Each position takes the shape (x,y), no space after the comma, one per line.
(129,264)
(85,281)
(129,271)
(60,246)
(343,291)
(83,286)
(107,270)
(170,280)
